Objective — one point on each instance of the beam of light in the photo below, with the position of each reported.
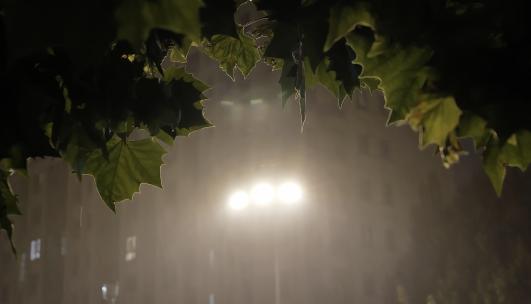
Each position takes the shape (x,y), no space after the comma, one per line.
(238,200)
(289,192)
(262,194)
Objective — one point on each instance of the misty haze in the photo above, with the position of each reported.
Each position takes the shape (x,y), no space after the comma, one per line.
(352,237)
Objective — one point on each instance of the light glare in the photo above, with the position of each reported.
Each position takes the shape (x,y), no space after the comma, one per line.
(289,192)
(262,194)
(238,200)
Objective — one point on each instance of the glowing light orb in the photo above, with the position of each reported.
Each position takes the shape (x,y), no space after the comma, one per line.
(289,192)
(262,194)
(238,200)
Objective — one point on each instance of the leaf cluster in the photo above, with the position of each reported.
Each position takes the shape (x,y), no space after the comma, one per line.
(80,90)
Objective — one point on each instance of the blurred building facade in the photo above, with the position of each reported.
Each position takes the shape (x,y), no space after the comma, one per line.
(182,245)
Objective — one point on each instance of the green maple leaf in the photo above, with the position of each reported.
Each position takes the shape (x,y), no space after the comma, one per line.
(475,127)
(174,104)
(129,164)
(136,18)
(341,64)
(231,53)
(326,78)
(493,165)
(436,118)
(188,100)
(517,150)
(293,82)
(402,72)
(343,19)
(162,42)
(8,206)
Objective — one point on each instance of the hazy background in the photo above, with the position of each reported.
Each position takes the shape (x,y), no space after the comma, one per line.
(368,191)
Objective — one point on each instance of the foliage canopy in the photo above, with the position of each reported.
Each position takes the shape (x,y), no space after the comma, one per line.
(78,77)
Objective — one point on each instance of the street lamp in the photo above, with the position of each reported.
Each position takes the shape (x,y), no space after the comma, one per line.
(110,292)
(239,200)
(262,194)
(289,192)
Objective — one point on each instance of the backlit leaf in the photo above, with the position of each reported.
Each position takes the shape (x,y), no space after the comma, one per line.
(231,53)
(436,118)
(493,165)
(343,19)
(129,164)
(517,150)
(402,72)
(475,127)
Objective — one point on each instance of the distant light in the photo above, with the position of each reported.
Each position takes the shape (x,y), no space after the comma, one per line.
(104,291)
(238,200)
(256,101)
(35,252)
(262,194)
(289,192)
(227,103)
(110,292)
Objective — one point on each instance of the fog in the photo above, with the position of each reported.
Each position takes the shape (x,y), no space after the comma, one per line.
(345,241)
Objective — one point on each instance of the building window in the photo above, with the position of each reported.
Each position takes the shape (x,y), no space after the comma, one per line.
(35,252)
(130,248)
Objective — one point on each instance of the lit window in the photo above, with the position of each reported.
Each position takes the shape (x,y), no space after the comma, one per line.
(227,103)
(35,252)
(109,292)
(130,248)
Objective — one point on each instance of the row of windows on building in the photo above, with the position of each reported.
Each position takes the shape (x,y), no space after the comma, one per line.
(367,238)
(36,252)
(111,291)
